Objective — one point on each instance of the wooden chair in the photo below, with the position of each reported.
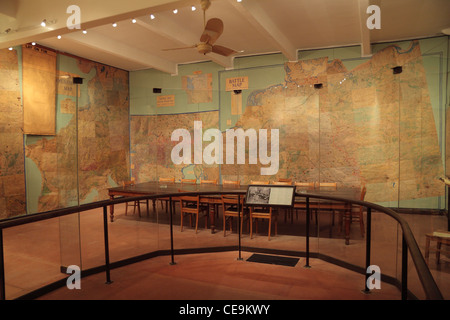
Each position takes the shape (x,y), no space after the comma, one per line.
(328,185)
(356,213)
(231,183)
(165,199)
(188,181)
(263,213)
(208,181)
(282,183)
(304,184)
(190,206)
(136,204)
(259,182)
(230,210)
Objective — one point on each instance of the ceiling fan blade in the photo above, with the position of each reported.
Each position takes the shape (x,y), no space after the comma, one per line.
(213,30)
(190,47)
(223,51)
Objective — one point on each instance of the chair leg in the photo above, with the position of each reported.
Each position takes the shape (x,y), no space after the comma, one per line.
(270,225)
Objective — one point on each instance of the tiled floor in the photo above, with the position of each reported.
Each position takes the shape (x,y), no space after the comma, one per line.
(34,254)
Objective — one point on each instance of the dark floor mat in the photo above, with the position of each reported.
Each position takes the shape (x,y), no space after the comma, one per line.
(269,259)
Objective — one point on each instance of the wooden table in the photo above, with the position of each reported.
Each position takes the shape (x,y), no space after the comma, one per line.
(155,187)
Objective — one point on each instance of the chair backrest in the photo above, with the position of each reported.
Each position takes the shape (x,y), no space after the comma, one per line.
(363,192)
(305,184)
(232,200)
(328,184)
(282,183)
(259,182)
(189,181)
(208,181)
(128,183)
(184,200)
(233,183)
(167,180)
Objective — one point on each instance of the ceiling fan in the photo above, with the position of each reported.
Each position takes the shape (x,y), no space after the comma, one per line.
(213,30)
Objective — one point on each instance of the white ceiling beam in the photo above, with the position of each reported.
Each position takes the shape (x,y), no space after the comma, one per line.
(366,50)
(169,29)
(112,47)
(261,20)
(30,13)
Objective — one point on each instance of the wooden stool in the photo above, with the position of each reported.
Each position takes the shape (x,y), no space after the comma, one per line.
(441,237)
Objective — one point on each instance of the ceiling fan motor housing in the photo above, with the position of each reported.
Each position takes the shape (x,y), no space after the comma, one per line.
(204,48)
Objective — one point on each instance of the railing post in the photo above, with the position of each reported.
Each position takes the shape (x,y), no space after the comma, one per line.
(2,269)
(171,232)
(105,234)
(368,246)
(307,233)
(239,224)
(404,269)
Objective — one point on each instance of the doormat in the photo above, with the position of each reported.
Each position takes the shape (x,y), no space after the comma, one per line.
(281,261)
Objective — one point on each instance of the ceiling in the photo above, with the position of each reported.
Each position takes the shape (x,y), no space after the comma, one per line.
(251,27)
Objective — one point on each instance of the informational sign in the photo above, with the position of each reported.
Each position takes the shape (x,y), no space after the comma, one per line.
(270,195)
(165,101)
(238,83)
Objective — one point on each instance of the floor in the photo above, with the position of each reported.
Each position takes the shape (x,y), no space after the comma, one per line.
(35,253)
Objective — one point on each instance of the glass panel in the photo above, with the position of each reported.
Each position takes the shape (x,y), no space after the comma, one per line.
(32,257)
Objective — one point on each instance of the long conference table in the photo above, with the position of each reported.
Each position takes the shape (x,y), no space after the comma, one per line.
(164,188)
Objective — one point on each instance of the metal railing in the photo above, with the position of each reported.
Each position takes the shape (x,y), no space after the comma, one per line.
(409,243)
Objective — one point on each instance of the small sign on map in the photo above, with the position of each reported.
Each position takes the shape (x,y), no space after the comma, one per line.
(238,83)
(165,101)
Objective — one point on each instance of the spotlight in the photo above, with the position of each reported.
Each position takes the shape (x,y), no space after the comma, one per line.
(44,23)
(114,24)
(33,43)
(193,8)
(10,48)
(134,20)
(84,31)
(59,37)
(175,11)
(152,17)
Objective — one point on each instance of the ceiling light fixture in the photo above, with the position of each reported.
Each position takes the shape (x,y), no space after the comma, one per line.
(10,48)
(175,11)
(114,24)
(239,0)
(59,37)
(134,20)
(84,31)
(44,23)
(33,43)
(152,17)
(193,8)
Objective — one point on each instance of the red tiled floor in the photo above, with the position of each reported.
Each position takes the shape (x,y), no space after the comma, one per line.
(35,253)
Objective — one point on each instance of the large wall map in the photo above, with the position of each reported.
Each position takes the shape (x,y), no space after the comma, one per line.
(12,175)
(364,126)
(102,158)
(151,146)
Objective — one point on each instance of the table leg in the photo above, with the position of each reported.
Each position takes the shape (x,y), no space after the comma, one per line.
(347,219)
(438,250)
(212,212)
(111,209)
